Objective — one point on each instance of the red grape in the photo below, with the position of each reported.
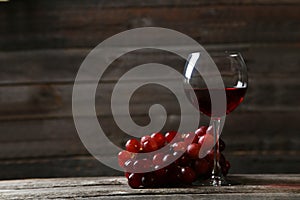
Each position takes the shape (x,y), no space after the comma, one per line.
(158,159)
(161,175)
(149,145)
(201,167)
(193,150)
(174,175)
(135,180)
(128,165)
(188,175)
(168,159)
(176,156)
(184,160)
(179,146)
(210,159)
(169,136)
(123,156)
(133,145)
(145,138)
(190,138)
(149,180)
(159,139)
(127,174)
(160,172)
(207,139)
(201,140)
(142,164)
(201,131)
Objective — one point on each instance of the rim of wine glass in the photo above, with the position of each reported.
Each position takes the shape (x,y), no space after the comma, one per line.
(236,54)
(229,53)
(215,54)
(224,53)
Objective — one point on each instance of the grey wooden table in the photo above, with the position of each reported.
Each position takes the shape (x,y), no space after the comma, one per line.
(277,186)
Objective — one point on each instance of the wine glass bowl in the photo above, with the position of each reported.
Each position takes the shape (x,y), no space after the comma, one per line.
(232,69)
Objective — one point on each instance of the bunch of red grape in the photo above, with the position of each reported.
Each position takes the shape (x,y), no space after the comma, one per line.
(182,171)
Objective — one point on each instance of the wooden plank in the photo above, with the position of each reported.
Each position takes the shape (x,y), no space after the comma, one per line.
(248,179)
(262,131)
(210,196)
(40,138)
(114,188)
(219,24)
(158,3)
(44,148)
(85,165)
(92,195)
(55,101)
(58,137)
(272,60)
(278,94)
(61,66)
(23,67)
(36,86)
(261,162)
(74,166)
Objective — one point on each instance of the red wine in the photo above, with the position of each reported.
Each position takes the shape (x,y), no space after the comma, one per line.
(234,97)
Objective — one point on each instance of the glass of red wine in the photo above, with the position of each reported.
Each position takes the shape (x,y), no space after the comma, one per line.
(233,73)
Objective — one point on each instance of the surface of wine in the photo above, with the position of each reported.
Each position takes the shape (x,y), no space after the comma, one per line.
(234,97)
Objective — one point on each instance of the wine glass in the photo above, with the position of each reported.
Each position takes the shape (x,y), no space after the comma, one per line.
(231,69)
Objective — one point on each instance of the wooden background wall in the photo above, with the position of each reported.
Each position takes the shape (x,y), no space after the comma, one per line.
(42,44)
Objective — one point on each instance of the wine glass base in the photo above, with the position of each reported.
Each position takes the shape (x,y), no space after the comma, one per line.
(220,181)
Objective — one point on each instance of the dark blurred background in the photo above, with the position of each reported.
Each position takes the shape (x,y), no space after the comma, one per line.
(42,44)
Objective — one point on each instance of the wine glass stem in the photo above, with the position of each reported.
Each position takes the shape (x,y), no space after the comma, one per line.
(216,178)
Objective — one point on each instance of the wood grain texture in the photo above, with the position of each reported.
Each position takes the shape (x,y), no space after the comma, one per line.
(55,100)
(52,146)
(43,43)
(85,165)
(61,66)
(45,90)
(54,166)
(38,25)
(260,132)
(158,3)
(254,187)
